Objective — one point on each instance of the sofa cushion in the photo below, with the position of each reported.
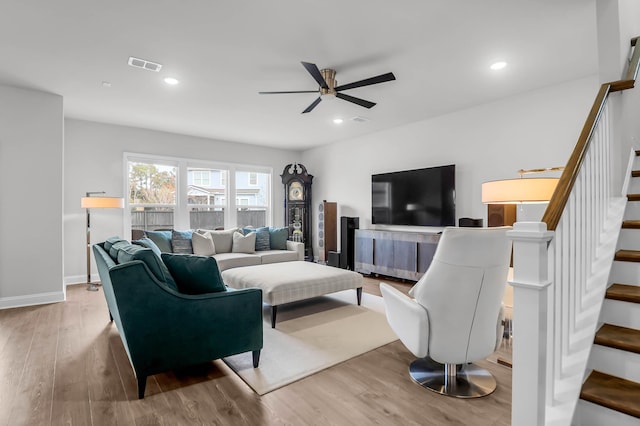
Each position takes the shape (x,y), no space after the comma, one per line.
(235,260)
(148,243)
(275,256)
(161,238)
(203,244)
(244,243)
(194,274)
(131,252)
(109,242)
(181,242)
(278,238)
(222,240)
(262,237)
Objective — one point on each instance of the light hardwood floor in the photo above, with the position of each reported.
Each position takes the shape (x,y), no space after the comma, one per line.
(64,363)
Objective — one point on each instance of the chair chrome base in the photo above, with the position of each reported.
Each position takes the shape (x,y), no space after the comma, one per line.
(92,287)
(462,381)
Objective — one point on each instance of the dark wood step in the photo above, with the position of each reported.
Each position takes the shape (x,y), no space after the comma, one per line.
(628,255)
(638,152)
(633,197)
(631,224)
(613,336)
(624,292)
(635,173)
(612,392)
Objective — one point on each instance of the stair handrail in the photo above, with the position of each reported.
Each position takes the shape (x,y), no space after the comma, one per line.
(556,306)
(565,185)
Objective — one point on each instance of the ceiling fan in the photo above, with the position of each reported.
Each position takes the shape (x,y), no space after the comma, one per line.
(326,78)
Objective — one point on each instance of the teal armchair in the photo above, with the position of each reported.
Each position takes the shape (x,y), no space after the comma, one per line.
(163,329)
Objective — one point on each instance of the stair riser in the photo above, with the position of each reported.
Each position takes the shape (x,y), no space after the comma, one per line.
(625,273)
(634,184)
(632,212)
(623,314)
(615,362)
(589,414)
(629,239)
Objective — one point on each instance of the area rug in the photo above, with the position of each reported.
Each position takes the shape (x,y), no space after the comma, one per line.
(313,335)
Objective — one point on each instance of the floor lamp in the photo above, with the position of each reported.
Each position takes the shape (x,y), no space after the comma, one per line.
(88,202)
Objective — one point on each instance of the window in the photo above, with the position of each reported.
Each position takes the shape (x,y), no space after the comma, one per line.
(152,195)
(253,190)
(172,193)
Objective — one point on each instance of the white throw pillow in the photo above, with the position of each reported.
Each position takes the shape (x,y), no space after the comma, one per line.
(203,244)
(244,243)
(222,240)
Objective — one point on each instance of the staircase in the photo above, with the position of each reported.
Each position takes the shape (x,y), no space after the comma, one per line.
(611,393)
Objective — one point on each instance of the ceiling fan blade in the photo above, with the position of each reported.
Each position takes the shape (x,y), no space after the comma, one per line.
(294,91)
(358,101)
(312,106)
(315,73)
(368,81)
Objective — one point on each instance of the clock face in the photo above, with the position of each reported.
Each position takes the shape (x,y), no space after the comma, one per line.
(296,192)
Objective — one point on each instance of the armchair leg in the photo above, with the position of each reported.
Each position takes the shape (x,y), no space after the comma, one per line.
(461,381)
(142,384)
(256,358)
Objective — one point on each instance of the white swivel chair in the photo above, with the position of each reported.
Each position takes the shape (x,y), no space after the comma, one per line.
(454,314)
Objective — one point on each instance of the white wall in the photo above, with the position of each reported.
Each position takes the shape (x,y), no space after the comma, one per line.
(31,173)
(487,142)
(94,162)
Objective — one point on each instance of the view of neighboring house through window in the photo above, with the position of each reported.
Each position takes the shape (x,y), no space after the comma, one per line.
(252,195)
(172,193)
(206,201)
(152,195)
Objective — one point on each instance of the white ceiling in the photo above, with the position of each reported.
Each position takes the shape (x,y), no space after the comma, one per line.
(225,52)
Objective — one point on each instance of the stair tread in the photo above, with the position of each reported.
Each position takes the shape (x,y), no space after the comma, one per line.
(633,197)
(613,336)
(638,152)
(612,392)
(635,173)
(624,292)
(628,255)
(631,224)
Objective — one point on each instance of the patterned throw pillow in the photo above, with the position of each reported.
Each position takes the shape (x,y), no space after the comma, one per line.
(262,237)
(181,242)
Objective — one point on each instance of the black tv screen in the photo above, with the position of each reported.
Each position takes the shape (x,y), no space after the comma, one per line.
(422,197)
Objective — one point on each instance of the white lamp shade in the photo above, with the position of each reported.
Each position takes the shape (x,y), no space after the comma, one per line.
(519,191)
(102,203)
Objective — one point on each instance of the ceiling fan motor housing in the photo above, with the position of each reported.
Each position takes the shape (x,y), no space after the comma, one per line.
(329,76)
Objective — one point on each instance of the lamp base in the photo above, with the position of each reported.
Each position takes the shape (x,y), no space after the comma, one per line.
(92,287)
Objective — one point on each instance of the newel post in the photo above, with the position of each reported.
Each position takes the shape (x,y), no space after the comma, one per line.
(530,329)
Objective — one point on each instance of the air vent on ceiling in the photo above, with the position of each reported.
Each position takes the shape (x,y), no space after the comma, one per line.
(359,119)
(144,64)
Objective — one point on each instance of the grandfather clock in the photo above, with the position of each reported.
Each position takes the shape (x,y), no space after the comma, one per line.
(297,205)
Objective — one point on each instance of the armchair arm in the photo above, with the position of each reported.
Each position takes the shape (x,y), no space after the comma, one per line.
(297,247)
(408,319)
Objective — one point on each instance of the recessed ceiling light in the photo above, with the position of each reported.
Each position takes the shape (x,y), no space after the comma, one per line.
(106,84)
(338,120)
(171,80)
(498,65)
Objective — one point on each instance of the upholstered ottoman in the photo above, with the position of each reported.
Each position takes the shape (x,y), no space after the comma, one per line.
(292,281)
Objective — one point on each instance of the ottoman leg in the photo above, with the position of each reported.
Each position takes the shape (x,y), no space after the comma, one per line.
(359,294)
(274,310)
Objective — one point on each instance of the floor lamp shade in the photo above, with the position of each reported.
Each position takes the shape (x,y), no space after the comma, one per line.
(519,191)
(102,203)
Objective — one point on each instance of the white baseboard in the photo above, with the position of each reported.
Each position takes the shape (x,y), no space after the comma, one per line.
(80,279)
(32,299)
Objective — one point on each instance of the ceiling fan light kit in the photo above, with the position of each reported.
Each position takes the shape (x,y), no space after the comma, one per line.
(329,89)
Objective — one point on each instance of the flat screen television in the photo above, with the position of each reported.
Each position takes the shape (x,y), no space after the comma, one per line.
(421,197)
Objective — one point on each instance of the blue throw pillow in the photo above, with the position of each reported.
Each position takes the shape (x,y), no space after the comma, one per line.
(263,239)
(194,274)
(278,238)
(181,242)
(130,252)
(161,238)
(109,242)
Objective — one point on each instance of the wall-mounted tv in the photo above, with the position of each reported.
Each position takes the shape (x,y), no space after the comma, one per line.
(421,197)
